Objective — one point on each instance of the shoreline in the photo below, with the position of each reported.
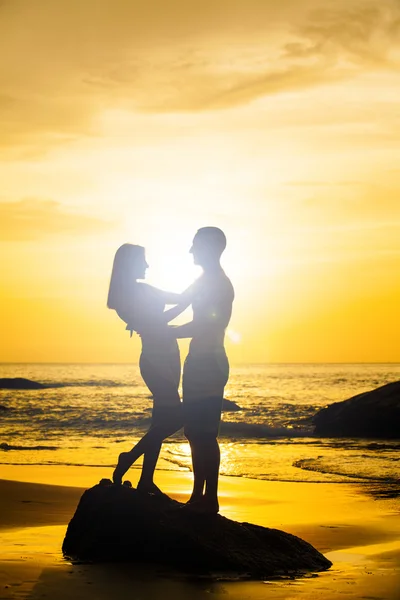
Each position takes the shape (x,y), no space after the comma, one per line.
(359,534)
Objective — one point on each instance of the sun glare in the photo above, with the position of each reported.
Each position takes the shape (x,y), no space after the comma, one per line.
(234,336)
(172,271)
(170,263)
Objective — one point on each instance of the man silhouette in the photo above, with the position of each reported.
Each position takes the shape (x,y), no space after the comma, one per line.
(206,368)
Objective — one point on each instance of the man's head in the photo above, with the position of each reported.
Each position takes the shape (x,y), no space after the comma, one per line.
(208,245)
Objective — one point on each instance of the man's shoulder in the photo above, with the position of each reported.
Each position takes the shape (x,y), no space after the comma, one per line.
(216,283)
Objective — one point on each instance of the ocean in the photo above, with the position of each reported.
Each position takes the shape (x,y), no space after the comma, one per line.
(89,413)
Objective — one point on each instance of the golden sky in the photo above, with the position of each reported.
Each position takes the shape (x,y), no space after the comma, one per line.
(125,120)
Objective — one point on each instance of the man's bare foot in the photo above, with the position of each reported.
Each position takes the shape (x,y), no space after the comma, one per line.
(124,462)
(194,498)
(203,506)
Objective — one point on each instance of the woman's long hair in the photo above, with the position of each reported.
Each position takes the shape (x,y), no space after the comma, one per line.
(122,274)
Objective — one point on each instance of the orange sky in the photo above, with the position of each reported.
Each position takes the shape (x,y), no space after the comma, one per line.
(142,121)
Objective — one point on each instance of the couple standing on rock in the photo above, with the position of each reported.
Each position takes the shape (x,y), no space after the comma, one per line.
(206,368)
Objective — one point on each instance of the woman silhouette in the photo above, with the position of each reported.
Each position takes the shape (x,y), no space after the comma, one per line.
(142,308)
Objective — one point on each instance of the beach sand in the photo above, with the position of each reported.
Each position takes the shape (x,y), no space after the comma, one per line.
(358,533)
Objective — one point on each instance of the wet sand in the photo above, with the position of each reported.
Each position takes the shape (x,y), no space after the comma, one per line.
(359,534)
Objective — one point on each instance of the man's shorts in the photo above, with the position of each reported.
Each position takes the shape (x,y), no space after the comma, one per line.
(204,380)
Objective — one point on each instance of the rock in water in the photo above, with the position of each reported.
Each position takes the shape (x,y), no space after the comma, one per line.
(230,406)
(19,383)
(374,414)
(118,523)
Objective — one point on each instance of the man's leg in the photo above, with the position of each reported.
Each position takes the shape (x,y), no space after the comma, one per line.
(206,460)
(201,429)
(212,459)
(199,476)
(192,412)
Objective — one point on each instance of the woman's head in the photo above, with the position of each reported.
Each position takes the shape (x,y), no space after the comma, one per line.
(129,264)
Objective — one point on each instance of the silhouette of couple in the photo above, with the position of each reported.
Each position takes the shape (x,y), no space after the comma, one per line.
(206,368)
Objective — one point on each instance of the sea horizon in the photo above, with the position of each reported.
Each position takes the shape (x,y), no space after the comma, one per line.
(233,363)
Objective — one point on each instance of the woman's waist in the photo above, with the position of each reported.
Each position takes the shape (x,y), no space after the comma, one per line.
(158,344)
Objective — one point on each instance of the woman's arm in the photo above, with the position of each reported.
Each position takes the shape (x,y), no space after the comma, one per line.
(172,313)
(184,298)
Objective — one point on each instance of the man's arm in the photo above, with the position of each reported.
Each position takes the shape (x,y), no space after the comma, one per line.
(213,315)
(188,330)
(184,298)
(172,313)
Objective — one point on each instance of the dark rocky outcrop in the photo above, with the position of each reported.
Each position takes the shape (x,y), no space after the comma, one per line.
(230,406)
(19,383)
(374,414)
(118,523)
(6,447)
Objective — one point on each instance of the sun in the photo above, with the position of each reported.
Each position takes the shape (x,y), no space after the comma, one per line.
(170,268)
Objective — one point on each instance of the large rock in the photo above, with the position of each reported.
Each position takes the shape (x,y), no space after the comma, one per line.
(118,523)
(374,414)
(19,383)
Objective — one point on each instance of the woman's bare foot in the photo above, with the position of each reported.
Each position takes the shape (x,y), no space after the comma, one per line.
(150,488)
(124,462)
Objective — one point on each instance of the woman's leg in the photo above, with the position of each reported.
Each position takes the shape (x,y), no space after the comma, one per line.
(149,445)
(162,378)
(150,459)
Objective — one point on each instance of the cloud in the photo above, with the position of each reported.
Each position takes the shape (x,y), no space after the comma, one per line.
(32,219)
(363,33)
(371,206)
(63,63)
